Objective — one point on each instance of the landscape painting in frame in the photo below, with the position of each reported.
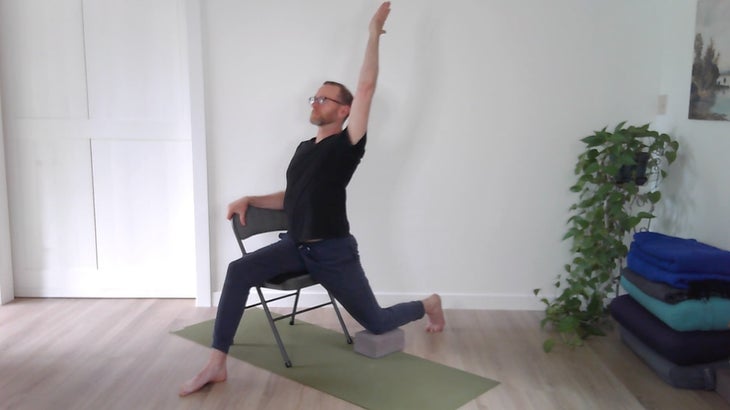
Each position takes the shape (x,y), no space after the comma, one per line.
(710,89)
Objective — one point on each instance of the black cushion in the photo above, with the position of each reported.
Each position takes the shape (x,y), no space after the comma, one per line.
(682,348)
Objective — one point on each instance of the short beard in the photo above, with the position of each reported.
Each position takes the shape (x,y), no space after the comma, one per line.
(318,120)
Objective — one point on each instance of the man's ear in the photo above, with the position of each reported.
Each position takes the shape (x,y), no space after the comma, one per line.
(345,111)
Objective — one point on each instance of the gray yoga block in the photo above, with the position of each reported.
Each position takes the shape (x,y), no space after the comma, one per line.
(375,346)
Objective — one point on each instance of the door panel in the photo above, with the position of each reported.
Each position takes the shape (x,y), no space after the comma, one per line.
(42,59)
(144,211)
(52,214)
(135,59)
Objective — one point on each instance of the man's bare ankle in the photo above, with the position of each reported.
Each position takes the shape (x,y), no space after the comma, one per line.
(214,371)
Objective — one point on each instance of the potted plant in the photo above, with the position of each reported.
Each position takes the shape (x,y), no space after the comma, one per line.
(612,204)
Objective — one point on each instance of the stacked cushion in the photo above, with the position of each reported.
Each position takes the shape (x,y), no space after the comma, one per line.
(700,376)
(676,316)
(691,314)
(682,348)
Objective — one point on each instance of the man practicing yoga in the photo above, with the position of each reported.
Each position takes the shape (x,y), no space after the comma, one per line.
(318,238)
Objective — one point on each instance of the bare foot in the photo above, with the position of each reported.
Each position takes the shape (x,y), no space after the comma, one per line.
(436,320)
(213,372)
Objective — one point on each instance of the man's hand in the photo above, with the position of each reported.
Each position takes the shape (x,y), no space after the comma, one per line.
(378,20)
(239,207)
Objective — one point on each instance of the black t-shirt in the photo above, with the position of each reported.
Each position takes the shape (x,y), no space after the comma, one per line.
(316,179)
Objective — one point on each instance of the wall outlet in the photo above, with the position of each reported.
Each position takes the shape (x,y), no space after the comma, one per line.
(662,104)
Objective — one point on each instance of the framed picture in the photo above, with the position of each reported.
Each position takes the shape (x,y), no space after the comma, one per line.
(710,89)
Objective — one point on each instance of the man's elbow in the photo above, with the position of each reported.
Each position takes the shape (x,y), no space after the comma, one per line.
(365,88)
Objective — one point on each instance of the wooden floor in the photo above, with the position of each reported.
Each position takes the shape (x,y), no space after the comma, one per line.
(119,354)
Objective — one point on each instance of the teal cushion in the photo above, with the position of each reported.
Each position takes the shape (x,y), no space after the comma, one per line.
(694,314)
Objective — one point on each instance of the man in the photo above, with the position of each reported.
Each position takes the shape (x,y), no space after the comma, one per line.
(318,238)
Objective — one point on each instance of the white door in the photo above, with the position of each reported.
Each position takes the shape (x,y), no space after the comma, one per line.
(98,149)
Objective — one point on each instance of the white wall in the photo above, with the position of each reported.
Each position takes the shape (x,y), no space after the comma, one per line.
(697,201)
(6,266)
(474,131)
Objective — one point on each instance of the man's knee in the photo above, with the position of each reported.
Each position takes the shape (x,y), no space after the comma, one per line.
(238,274)
(236,265)
(377,328)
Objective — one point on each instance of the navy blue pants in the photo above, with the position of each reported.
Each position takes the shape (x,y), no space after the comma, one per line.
(334,263)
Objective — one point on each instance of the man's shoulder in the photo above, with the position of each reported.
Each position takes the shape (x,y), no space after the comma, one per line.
(345,135)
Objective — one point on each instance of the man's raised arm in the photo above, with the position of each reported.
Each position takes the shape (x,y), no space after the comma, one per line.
(360,111)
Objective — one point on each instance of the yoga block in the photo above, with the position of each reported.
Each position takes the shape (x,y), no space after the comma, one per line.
(722,383)
(375,346)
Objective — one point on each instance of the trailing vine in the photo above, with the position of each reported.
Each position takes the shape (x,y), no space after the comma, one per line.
(612,204)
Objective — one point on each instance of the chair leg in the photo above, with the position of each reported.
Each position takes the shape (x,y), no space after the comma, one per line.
(284,355)
(294,310)
(339,317)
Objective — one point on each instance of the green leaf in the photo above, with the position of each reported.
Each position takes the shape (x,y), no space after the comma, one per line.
(654,196)
(596,305)
(618,138)
(591,167)
(645,215)
(612,170)
(594,140)
(626,158)
(569,323)
(548,345)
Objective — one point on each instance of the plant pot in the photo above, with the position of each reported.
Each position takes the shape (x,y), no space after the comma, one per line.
(636,172)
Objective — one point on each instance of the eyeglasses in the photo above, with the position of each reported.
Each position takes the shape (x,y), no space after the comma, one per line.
(322,100)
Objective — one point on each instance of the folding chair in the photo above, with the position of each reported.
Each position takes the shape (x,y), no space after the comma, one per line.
(259,220)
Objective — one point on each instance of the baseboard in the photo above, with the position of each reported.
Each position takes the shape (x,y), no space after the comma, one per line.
(111,293)
(449,300)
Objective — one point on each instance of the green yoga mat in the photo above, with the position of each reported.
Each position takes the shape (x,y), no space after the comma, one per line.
(323,360)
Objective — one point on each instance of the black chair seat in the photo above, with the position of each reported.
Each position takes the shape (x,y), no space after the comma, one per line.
(290,281)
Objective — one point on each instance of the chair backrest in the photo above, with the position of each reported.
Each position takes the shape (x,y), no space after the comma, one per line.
(258,220)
